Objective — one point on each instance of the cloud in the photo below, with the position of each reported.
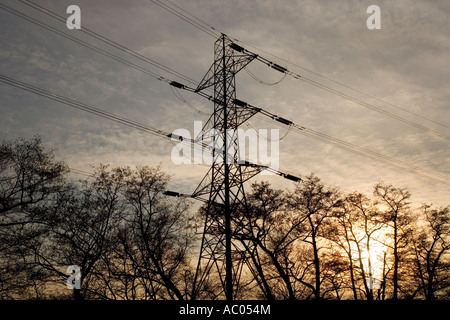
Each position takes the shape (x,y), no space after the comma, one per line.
(405,63)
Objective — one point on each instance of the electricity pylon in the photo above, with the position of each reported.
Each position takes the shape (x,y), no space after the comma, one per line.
(224,180)
(226,205)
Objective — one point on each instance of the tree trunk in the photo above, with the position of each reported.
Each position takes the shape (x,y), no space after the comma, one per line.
(316,260)
(395,276)
(279,268)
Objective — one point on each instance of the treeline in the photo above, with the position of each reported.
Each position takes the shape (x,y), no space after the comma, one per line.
(131,241)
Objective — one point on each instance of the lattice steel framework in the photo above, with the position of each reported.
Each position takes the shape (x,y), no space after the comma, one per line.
(224,180)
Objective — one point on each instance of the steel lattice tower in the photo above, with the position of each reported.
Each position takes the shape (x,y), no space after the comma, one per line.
(224,180)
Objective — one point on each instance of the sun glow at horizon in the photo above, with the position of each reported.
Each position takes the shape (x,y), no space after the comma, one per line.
(372,254)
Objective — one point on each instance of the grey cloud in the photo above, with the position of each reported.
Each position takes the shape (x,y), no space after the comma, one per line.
(406,63)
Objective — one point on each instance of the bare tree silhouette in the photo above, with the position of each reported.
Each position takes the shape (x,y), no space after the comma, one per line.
(30,179)
(133,242)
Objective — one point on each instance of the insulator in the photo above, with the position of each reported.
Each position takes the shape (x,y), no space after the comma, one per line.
(291,177)
(246,163)
(279,68)
(237,47)
(240,103)
(171,193)
(284,121)
(176,84)
(175,137)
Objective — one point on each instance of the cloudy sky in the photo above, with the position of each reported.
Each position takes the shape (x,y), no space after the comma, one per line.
(406,64)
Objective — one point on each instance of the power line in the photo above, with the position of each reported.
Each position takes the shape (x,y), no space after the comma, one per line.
(251,74)
(146,59)
(82,172)
(266,137)
(110,42)
(311,81)
(372,107)
(364,152)
(99,50)
(369,154)
(208,30)
(132,65)
(347,146)
(196,18)
(344,85)
(200,145)
(96,111)
(283,70)
(106,40)
(178,95)
(82,106)
(79,41)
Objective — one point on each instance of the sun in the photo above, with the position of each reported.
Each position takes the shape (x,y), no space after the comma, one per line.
(374,258)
